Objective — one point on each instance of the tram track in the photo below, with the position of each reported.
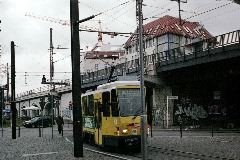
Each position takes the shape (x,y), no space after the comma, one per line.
(154,153)
(179,153)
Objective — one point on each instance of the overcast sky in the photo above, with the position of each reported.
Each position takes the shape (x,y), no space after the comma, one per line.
(31,35)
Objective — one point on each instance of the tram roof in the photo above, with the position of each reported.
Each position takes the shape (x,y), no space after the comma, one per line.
(112,85)
(118,83)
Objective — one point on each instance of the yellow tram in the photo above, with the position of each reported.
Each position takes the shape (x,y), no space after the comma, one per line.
(111,115)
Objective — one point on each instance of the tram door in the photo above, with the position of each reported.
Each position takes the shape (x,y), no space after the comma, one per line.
(98,115)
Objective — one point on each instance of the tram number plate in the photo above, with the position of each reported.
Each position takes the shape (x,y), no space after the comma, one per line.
(134,131)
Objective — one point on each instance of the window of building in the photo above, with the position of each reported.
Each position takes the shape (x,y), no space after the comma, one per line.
(96,67)
(136,47)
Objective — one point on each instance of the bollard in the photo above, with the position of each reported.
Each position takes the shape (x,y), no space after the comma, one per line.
(39,129)
(62,130)
(181,129)
(212,126)
(180,125)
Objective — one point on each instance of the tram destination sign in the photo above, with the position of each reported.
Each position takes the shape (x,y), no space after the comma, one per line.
(172,97)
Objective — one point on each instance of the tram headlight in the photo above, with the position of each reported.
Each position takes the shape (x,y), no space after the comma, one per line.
(124,131)
(118,133)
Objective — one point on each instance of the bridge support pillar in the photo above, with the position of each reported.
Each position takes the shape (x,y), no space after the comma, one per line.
(160,94)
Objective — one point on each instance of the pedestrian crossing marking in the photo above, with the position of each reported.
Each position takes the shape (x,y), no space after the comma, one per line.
(37,154)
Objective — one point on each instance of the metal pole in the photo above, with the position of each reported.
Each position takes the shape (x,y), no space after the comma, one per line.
(19,120)
(167,112)
(39,129)
(212,124)
(42,122)
(7,84)
(52,101)
(144,116)
(51,75)
(2,91)
(179,10)
(181,129)
(13,104)
(76,80)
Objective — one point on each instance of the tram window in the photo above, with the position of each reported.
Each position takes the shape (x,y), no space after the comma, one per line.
(90,105)
(114,103)
(105,103)
(84,104)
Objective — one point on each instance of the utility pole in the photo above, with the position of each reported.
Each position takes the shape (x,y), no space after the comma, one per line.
(144,116)
(13,103)
(7,83)
(179,9)
(52,88)
(76,79)
(179,12)
(1,111)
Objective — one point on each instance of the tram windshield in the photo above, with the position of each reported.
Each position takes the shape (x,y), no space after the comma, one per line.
(129,101)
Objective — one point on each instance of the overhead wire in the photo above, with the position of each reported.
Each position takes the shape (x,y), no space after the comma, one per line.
(203,5)
(214,17)
(157,16)
(164,7)
(207,11)
(110,15)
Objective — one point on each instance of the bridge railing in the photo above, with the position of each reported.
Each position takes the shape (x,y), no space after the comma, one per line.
(194,50)
(186,52)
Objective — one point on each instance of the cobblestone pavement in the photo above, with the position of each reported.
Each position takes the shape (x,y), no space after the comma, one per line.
(30,146)
(224,145)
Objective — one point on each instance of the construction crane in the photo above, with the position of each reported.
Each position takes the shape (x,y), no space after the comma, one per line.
(67,23)
(57,21)
(81,27)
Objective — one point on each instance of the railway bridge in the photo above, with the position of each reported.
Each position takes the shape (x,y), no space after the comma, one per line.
(206,81)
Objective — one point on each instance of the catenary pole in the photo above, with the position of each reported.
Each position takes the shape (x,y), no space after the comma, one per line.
(13,103)
(76,79)
(51,77)
(19,128)
(2,104)
(144,116)
(7,84)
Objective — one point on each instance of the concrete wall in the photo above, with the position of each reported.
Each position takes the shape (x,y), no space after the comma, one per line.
(160,94)
(65,110)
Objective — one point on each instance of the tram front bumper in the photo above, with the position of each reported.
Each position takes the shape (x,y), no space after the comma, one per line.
(131,141)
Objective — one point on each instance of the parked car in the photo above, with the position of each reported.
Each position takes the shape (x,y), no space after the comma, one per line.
(44,121)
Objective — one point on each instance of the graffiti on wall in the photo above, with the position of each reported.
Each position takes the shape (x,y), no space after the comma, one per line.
(190,110)
(159,116)
(67,112)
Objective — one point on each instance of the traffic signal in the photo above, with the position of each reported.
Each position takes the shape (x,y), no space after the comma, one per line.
(42,102)
(43,79)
